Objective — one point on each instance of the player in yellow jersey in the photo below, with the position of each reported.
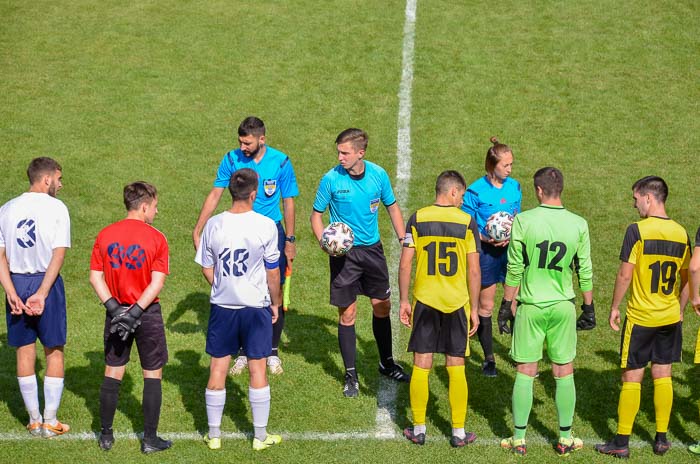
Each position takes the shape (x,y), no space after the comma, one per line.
(694,277)
(655,255)
(445,242)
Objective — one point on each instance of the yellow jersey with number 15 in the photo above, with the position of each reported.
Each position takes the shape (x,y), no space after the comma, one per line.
(443,236)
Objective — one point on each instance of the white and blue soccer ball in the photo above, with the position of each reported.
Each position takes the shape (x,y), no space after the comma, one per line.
(337,239)
(498,226)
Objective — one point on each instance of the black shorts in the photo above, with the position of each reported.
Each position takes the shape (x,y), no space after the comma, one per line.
(640,345)
(150,341)
(362,271)
(437,332)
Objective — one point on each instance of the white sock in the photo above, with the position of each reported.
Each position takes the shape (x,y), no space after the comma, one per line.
(53,390)
(30,394)
(215,401)
(260,407)
(418,429)
(459,433)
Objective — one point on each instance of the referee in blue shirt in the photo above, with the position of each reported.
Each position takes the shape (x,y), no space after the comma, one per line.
(494,192)
(277,183)
(352,192)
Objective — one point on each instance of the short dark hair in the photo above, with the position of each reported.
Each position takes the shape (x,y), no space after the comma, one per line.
(357,137)
(251,126)
(551,181)
(137,193)
(40,167)
(494,154)
(654,185)
(447,179)
(242,183)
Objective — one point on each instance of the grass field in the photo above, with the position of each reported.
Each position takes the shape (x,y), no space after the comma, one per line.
(121,91)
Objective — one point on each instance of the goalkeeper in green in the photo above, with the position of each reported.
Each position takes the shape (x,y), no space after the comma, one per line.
(547,245)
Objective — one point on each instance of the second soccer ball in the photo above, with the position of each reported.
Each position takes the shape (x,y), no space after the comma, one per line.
(498,226)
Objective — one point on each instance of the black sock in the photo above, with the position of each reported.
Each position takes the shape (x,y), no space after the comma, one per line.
(109,397)
(622,440)
(485,333)
(277,329)
(152,398)
(660,436)
(381,327)
(347,341)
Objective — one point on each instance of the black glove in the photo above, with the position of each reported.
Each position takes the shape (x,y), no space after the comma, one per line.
(505,315)
(113,308)
(127,322)
(586,321)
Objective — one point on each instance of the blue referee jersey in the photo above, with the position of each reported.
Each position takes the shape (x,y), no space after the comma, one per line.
(355,200)
(275,175)
(482,199)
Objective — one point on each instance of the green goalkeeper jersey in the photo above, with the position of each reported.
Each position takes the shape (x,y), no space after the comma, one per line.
(547,245)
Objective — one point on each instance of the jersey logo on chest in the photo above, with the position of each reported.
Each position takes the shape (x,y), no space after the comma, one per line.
(270,186)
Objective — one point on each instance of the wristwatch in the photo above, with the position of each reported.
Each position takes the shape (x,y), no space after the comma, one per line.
(290,239)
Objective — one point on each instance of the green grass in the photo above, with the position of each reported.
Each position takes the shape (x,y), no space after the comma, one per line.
(154,90)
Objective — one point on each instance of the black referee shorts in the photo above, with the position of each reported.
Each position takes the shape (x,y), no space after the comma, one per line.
(150,341)
(363,271)
(437,332)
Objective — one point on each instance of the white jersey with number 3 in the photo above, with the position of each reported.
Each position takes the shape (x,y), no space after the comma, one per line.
(240,247)
(31,226)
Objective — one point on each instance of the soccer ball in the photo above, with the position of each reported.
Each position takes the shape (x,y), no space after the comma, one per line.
(498,226)
(337,239)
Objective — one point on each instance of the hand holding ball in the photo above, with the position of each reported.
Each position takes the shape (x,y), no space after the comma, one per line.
(337,239)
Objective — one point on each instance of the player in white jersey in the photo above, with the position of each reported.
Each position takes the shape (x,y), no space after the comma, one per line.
(34,235)
(239,256)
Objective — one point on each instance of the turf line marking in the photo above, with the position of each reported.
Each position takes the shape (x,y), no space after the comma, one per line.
(535,439)
(387,392)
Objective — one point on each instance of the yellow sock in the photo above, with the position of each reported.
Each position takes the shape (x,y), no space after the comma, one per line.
(663,400)
(419,394)
(458,393)
(628,406)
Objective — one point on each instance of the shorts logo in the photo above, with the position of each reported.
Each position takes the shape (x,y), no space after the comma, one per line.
(374,205)
(270,187)
(26,233)
(131,258)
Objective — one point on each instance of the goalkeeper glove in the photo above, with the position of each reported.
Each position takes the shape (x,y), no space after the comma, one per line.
(127,322)
(586,321)
(113,307)
(505,315)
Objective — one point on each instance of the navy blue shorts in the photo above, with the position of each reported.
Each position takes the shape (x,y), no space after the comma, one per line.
(493,262)
(232,329)
(281,242)
(50,327)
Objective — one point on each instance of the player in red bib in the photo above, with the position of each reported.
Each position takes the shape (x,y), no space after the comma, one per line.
(127,270)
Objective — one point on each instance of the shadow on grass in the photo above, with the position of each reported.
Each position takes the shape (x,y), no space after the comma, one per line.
(85,382)
(191,379)
(197,302)
(601,397)
(8,380)
(315,338)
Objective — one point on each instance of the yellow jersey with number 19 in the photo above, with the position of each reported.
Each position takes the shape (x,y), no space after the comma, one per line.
(442,236)
(659,248)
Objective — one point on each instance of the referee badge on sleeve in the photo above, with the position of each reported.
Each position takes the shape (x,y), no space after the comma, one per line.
(270,187)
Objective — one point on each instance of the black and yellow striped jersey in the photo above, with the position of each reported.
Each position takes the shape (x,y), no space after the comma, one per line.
(659,248)
(442,236)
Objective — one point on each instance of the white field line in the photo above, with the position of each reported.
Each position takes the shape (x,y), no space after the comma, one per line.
(386,395)
(532,439)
